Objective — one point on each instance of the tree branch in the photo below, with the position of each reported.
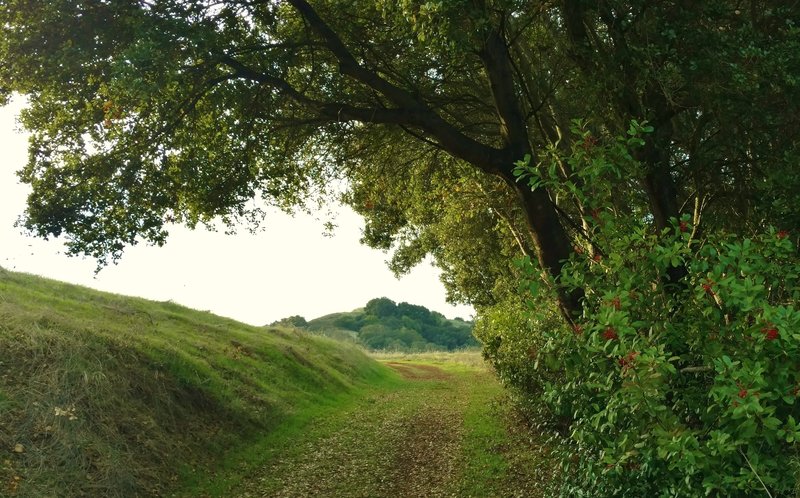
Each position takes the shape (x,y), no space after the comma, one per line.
(332,110)
(488,159)
(348,64)
(497,62)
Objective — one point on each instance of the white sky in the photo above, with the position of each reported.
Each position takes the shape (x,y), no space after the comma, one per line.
(290,268)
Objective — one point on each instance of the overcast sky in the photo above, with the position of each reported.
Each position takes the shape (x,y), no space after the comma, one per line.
(290,268)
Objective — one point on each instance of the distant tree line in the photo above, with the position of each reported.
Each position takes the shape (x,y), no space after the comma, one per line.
(383,324)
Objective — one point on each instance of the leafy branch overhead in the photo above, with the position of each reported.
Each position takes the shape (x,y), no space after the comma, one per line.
(144,113)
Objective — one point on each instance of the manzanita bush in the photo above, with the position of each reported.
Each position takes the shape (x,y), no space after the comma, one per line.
(682,386)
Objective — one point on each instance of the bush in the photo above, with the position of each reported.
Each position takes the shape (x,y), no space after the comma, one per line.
(681,377)
(684,389)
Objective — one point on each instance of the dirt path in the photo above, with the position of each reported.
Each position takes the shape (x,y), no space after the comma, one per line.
(426,458)
(407,443)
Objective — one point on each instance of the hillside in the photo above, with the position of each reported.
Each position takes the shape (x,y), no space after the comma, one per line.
(104,395)
(385,325)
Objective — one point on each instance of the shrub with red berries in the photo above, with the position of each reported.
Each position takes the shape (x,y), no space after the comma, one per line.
(628,361)
(610,334)
(685,380)
(770,332)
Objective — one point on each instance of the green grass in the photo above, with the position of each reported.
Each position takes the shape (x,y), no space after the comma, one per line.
(115,396)
(446,431)
(501,454)
(370,447)
(470,358)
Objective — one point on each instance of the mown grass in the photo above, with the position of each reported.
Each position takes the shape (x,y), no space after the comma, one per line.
(104,395)
(381,445)
(444,431)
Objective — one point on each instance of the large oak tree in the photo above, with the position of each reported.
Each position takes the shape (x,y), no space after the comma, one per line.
(147,112)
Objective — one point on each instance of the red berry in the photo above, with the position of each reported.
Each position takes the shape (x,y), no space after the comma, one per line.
(684,226)
(770,332)
(616,303)
(628,360)
(610,333)
(597,257)
(743,393)
(782,234)
(578,329)
(707,287)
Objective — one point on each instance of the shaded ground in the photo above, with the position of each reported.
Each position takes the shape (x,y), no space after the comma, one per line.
(412,442)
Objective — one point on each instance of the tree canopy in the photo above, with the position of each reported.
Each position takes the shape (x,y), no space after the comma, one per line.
(144,113)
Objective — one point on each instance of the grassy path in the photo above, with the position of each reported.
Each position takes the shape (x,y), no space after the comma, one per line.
(434,434)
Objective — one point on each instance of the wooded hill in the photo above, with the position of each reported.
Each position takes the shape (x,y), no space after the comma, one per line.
(385,325)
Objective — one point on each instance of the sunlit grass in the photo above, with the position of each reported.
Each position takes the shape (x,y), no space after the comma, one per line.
(113,396)
(467,357)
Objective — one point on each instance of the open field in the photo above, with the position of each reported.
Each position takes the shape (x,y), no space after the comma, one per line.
(468,357)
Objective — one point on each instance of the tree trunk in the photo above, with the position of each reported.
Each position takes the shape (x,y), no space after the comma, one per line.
(553,245)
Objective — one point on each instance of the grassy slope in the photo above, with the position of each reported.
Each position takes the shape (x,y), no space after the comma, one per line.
(115,396)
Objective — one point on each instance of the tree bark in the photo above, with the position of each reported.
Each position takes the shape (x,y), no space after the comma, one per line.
(661,190)
(553,245)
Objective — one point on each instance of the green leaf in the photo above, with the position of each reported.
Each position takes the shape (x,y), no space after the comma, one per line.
(772,423)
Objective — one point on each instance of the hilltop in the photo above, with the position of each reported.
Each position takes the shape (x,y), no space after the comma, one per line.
(385,325)
(105,395)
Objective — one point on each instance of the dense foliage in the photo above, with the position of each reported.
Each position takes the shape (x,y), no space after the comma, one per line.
(634,134)
(385,325)
(661,388)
